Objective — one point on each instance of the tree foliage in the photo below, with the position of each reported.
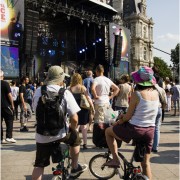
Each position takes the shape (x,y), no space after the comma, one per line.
(175,55)
(175,58)
(164,70)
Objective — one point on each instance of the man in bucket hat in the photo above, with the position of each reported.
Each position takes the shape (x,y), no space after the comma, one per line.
(45,144)
(138,123)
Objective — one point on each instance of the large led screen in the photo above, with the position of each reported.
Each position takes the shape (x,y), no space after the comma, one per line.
(10,61)
(12,19)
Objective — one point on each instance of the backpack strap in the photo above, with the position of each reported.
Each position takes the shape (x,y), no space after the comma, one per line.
(61,95)
(43,89)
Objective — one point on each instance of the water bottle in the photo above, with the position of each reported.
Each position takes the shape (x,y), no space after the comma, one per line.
(112,119)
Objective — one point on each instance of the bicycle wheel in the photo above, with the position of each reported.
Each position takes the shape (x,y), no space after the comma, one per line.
(98,170)
(140,177)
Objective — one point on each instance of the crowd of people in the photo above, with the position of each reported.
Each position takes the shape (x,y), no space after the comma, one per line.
(143,99)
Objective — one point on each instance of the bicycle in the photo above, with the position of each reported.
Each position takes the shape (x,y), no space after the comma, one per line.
(62,170)
(127,171)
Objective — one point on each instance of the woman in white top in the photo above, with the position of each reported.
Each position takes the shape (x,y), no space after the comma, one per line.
(15,95)
(139,121)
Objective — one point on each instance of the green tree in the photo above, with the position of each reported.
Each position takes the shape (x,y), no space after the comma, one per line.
(175,58)
(164,70)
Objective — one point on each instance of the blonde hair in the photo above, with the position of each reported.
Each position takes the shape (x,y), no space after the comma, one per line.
(76,79)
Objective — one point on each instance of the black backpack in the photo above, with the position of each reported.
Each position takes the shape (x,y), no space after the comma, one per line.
(49,115)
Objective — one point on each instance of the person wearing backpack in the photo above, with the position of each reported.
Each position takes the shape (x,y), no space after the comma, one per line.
(29,96)
(24,106)
(51,103)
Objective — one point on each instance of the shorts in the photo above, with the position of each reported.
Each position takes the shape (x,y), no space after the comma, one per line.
(99,112)
(126,132)
(46,150)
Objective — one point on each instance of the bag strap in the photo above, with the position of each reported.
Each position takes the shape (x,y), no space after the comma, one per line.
(61,95)
(160,97)
(43,89)
(81,90)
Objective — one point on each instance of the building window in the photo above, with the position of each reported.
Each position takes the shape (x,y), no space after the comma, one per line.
(145,31)
(145,53)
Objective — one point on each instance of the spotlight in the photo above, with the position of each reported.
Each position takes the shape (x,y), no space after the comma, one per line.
(80,51)
(86,48)
(68,17)
(81,21)
(54,13)
(94,43)
(43,8)
(83,50)
(97,41)
(100,39)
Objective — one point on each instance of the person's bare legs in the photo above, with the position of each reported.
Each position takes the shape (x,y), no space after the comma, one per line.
(91,116)
(112,144)
(84,133)
(37,173)
(146,167)
(74,153)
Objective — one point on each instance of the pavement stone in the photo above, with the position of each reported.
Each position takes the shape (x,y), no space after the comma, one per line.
(17,159)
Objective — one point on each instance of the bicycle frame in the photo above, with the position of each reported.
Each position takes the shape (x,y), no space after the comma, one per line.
(62,170)
(129,169)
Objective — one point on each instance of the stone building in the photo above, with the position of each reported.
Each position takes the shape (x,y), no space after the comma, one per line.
(135,18)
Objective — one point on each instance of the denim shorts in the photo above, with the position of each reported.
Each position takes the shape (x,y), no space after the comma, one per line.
(126,132)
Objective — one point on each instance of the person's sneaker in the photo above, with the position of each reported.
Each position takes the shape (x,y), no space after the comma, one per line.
(154,150)
(3,141)
(24,129)
(10,140)
(85,146)
(80,169)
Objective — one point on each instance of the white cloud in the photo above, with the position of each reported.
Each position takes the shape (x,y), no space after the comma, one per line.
(169,37)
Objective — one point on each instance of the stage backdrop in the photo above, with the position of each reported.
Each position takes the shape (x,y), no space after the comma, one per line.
(123,67)
(12,19)
(10,61)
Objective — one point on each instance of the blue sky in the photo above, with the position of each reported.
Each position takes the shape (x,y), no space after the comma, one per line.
(165,14)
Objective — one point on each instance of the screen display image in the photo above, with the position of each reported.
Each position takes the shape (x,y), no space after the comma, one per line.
(9,61)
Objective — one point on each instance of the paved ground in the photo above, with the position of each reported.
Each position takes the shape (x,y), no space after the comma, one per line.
(17,159)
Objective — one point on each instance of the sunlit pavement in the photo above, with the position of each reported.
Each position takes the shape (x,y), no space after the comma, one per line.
(17,159)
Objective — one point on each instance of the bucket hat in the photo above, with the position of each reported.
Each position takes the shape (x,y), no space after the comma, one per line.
(55,75)
(144,76)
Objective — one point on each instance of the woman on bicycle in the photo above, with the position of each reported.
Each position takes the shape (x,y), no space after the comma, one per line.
(139,121)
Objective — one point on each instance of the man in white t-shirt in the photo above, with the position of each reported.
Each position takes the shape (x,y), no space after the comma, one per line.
(101,90)
(46,144)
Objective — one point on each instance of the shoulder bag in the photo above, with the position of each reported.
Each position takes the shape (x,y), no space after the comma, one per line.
(84,102)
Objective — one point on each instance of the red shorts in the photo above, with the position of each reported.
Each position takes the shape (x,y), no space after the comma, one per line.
(126,132)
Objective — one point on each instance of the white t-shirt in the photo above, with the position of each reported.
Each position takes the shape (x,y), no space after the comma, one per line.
(72,108)
(102,87)
(14,92)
